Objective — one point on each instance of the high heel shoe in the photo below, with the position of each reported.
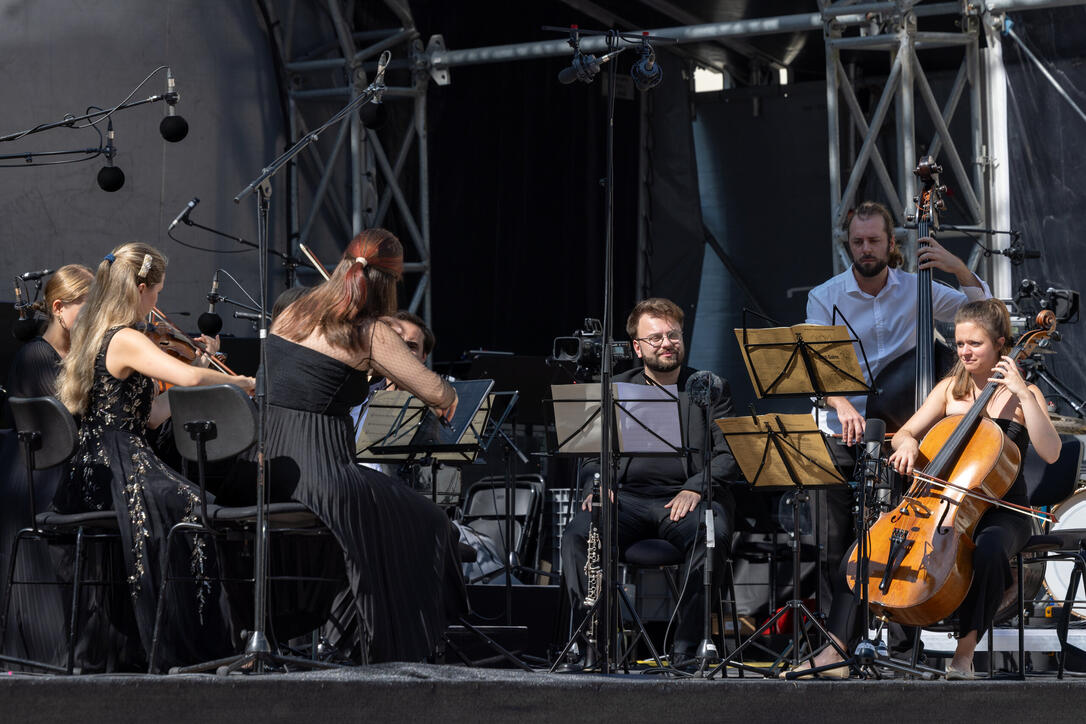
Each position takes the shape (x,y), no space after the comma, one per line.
(954,674)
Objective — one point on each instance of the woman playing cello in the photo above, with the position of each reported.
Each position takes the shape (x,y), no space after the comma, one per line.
(982,335)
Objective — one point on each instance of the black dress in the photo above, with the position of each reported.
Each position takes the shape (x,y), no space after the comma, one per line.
(999,535)
(114,467)
(398,548)
(37,617)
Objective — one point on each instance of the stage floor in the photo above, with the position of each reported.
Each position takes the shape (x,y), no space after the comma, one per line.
(423,692)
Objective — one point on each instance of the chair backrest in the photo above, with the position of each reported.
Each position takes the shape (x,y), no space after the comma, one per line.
(52,421)
(489,500)
(230,410)
(1049,484)
(484,508)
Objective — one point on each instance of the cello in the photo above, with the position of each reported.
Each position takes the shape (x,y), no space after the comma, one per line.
(908,379)
(920,552)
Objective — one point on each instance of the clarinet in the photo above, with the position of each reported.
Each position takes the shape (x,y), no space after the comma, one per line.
(592,569)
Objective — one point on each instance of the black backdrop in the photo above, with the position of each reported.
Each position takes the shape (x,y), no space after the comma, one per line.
(516,161)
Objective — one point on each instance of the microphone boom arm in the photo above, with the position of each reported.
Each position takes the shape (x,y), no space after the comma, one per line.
(372,92)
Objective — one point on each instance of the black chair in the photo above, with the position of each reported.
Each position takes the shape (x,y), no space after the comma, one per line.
(48,434)
(211,423)
(1049,484)
(659,553)
(484,512)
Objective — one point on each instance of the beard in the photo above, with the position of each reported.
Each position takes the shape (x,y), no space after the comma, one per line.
(870,269)
(656,364)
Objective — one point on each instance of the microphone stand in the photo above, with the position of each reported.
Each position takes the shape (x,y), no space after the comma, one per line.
(69,121)
(707,653)
(608,494)
(290,262)
(258,651)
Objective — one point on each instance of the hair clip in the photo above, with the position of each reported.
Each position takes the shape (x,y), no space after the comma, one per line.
(110,258)
(145,268)
(361,260)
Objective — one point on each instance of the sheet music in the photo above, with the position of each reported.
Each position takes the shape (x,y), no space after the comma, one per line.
(391,418)
(573,406)
(655,407)
(471,435)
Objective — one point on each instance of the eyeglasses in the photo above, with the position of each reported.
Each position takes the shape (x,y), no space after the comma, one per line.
(675,336)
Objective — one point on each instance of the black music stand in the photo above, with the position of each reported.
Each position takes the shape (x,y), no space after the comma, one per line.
(646,423)
(804,360)
(781,451)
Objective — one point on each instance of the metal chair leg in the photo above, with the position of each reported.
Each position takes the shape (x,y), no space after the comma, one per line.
(1021,619)
(77,579)
(1077,575)
(11,583)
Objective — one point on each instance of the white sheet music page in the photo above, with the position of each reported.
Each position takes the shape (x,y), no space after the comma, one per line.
(648,418)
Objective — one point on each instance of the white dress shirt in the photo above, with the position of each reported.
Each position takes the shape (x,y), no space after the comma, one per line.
(885,323)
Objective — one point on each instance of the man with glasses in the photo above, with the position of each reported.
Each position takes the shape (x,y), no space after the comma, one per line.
(659,496)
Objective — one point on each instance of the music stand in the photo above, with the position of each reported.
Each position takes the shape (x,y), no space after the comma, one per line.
(392,418)
(412,435)
(646,423)
(804,360)
(781,451)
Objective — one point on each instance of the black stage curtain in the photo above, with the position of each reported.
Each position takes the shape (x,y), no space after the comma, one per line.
(516,161)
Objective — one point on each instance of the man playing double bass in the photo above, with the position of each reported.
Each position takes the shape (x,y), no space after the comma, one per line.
(879,301)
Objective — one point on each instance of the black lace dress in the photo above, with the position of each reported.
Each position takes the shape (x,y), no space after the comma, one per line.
(114,467)
(398,548)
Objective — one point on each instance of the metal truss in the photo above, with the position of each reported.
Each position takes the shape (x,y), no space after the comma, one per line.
(892,28)
(354,178)
(980,178)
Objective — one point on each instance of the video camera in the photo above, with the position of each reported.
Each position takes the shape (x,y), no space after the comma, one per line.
(584,349)
(1062,302)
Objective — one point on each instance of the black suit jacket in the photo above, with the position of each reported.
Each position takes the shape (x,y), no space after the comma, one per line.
(723,467)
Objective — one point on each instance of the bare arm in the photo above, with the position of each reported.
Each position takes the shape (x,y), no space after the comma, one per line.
(129,351)
(1046,441)
(906,441)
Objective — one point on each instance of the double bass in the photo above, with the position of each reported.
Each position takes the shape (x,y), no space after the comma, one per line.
(903,385)
(921,552)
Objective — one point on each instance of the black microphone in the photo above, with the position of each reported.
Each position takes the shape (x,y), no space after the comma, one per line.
(210,323)
(32,276)
(584,68)
(23,329)
(704,388)
(250,316)
(1018,253)
(173,127)
(874,434)
(110,178)
(645,72)
(184,215)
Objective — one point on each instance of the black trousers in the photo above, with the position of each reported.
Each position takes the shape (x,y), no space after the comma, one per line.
(640,517)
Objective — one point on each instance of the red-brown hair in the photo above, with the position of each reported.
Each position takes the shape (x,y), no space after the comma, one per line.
(361,288)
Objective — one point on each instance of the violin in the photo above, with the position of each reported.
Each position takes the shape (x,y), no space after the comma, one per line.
(171,340)
(921,552)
